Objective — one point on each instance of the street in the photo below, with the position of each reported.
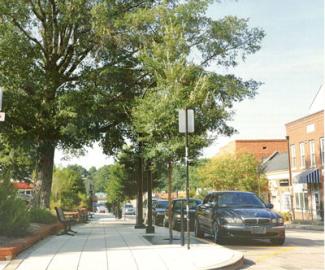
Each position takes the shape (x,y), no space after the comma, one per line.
(303,250)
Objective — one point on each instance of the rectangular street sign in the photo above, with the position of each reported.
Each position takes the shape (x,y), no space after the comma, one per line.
(2,116)
(182,121)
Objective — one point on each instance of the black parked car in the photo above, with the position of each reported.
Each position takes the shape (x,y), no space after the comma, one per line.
(238,215)
(176,213)
(159,207)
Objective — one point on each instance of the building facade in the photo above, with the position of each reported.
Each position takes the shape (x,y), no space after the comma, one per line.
(261,149)
(306,141)
(277,173)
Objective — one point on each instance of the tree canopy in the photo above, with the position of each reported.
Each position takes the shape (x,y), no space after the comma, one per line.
(75,72)
(179,81)
(233,172)
(69,73)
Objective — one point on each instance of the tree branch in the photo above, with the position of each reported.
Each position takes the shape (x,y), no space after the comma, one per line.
(27,34)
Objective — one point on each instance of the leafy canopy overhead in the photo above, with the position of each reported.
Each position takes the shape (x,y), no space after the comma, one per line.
(177,30)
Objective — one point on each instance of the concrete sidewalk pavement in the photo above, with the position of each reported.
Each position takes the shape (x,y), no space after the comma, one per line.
(109,244)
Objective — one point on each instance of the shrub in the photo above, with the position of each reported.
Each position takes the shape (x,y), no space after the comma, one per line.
(44,216)
(14,216)
(286,215)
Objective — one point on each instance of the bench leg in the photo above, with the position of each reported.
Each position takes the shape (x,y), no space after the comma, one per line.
(65,232)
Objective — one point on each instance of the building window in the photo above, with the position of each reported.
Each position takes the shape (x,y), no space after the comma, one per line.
(312,154)
(321,142)
(293,156)
(302,201)
(302,156)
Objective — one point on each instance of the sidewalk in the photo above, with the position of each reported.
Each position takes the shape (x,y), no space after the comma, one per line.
(313,227)
(109,244)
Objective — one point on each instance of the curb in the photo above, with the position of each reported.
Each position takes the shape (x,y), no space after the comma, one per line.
(235,263)
(305,227)
(10,252)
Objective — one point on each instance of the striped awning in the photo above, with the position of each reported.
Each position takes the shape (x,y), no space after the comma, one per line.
(310,176)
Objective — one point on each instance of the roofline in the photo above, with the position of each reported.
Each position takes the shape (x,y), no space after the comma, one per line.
(304,117)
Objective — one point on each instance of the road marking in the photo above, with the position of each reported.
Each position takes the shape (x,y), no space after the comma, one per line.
(271,254)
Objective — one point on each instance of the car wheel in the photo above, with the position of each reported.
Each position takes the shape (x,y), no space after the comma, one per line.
(217,237)
(278,241)
(197,230)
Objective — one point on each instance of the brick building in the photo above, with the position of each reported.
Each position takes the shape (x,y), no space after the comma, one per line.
(260,148)
(306,140)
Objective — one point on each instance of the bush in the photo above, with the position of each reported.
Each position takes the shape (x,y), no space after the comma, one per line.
(44,216)
(14,216)
(286,215)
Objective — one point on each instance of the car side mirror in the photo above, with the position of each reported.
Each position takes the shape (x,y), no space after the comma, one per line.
(269,206)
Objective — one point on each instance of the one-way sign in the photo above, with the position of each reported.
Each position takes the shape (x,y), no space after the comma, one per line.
(2,116)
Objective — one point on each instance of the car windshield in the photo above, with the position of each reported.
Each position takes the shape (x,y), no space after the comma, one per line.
(128,206)
(239,200)
(192,204)
(161,204)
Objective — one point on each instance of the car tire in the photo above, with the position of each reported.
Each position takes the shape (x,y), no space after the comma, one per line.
(216,233)
(197,230)
(278,241)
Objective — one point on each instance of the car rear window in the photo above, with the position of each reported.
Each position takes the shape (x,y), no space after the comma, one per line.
(161,204)
(239,200)
(192,204)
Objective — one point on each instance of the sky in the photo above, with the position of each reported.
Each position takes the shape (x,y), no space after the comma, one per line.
(289,64)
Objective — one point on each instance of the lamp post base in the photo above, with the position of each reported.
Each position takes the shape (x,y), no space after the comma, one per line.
(139,226)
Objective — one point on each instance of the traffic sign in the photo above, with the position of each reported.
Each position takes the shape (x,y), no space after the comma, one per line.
(2,116)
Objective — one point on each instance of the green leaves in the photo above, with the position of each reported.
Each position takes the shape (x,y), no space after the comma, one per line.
(177,31)
(233,172)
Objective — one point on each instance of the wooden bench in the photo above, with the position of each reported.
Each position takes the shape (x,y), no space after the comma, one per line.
(83,215)
(67,221)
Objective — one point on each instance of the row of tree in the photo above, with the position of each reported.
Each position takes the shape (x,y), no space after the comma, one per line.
(76,72)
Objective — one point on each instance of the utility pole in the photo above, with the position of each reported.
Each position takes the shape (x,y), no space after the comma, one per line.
(290,179)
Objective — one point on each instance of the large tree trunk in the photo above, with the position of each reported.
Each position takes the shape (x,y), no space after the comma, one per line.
(44,174)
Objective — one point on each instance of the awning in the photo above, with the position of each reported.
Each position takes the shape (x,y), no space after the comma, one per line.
(310,176)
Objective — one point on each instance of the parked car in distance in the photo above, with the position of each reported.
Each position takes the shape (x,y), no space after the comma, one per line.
(236,214)
(176,213)
(159,208)
(128,209)
(101,208)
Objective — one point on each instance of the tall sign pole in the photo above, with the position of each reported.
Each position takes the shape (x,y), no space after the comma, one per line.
(2,114)
(186,125)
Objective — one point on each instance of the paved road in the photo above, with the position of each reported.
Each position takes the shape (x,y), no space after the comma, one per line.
(303,250)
